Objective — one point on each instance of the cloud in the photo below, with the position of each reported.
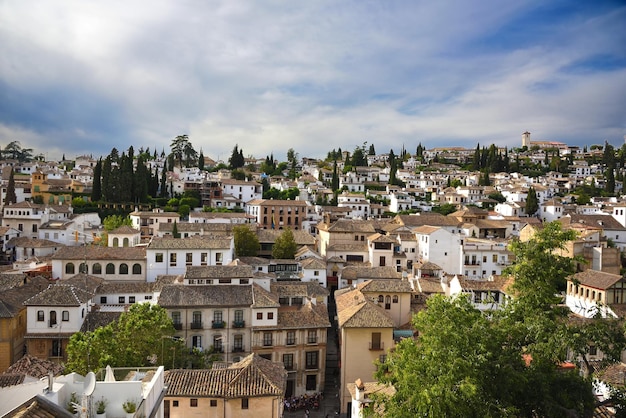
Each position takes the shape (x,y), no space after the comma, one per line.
(83,77)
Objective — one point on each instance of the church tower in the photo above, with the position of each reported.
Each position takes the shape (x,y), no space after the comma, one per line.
(526,139)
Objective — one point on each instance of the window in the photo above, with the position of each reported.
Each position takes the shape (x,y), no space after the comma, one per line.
(311,382)
(103,299)
(65,316)
(387,302)
(196,341)
(288,361)
(158,258)
(238,315)
(110,268)
(311,359)
(381,299)
(593,350)
(217,343)
(376,343)
(395,299)
(217,317)
(131,299)
(203,259)
(69,268)
(494,258)
(316,273)
(173,260)
(270,315)
(122,299)
(382,358)
(193,402)
(82,268)
(244,403)
(219,257)
(53,318)
(188,259)
(175,404)
(40,316)
(136,268)
(197,318)
(311,337)
(96,269)
(213,403)
(123,268)
(291,338)
(238,343)
(267,339)
(259,315)
(176,317)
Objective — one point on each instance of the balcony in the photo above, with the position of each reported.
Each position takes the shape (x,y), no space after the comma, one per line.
(178,326)
(218,324)
(218,349)
(196,325)
(472,263)
(377,345)
(239,324)
(239,349)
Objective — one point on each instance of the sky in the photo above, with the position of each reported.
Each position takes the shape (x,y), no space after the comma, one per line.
(83,76)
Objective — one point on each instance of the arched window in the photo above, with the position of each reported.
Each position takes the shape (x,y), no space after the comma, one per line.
(96,269)
(387,299)
(123,268)
(395,298)
(381,299)
(136,268)
(125,242)
(110,269)
(116,242)
(82,268)
(69,268)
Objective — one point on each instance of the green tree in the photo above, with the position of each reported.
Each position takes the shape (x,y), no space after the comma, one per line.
(11,197)
(285,246)
(246,241)
(96,190)
(445,209)
(179,147)
(131,341)
(502,363)
(532,203)
(112,222)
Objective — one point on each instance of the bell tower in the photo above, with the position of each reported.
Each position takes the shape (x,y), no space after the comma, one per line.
(526,139)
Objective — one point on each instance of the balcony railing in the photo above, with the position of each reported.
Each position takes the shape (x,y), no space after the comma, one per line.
(196,325)
(377,346)
(218,324)
(239,324)
(311,340)
(472,263)
(239,349)
(218,349)
(178,326)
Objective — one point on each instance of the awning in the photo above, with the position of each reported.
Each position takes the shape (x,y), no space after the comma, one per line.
(402,333)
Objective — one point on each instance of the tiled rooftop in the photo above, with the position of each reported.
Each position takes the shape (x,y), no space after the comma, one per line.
(181,296)
(59,295)
(254,376)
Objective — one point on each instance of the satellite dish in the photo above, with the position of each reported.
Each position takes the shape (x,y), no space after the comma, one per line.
(90,384)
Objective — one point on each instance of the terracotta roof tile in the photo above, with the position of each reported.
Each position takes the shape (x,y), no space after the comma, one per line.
(59,295)
(176,295)
(254,376)
(597,279)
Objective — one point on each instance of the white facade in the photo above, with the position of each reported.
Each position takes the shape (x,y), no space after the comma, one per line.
(166,256)
(441,247)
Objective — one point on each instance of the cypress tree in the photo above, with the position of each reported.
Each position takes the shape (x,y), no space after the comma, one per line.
(11,196)
(96,191)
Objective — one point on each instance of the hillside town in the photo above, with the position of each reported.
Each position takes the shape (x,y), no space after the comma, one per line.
(347,250)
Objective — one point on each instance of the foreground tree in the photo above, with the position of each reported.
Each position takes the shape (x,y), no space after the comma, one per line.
(134,340)
(11,197)
(246,241)
(285,246)
(505,363)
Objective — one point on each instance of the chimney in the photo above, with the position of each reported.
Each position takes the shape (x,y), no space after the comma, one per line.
(360,390)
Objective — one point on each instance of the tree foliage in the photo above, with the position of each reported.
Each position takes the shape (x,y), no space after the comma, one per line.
(11,197)
(246,241)
(112,222)
(532,203)
(134,340)
(503,363)
(285,246)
